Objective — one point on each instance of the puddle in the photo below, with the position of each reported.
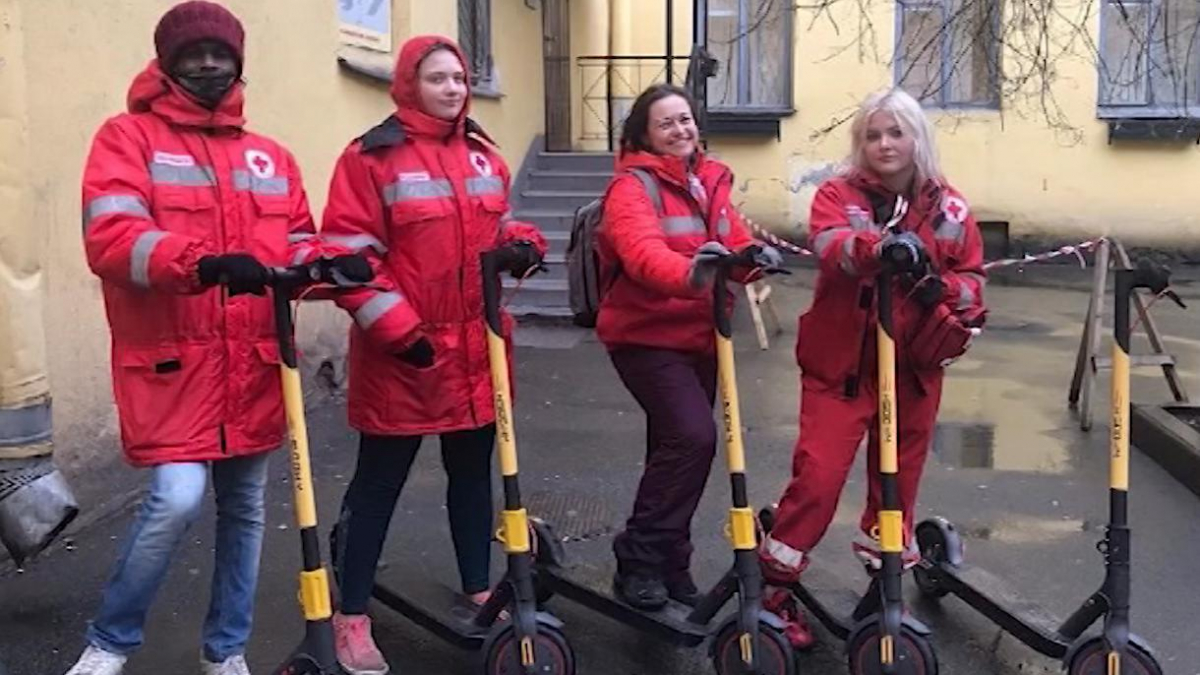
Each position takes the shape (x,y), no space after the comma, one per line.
(999,424)
(1026,530)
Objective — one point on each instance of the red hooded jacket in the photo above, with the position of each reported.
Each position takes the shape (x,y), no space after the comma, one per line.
(647,258)
(836,342)
(422,197)
(195,373)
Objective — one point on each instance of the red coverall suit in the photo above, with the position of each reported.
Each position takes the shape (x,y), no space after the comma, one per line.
(836,352)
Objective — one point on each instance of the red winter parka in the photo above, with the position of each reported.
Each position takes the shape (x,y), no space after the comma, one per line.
(836,341)
(195,373)
(422,197)
(646,258)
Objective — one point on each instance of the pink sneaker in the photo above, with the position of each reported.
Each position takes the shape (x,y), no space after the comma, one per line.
(356,650)
(781,603)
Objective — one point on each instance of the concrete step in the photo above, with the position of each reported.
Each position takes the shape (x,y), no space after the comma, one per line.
(536,311)
(556,199)
(538,292)
(575,161)
(592,181)
(549,220)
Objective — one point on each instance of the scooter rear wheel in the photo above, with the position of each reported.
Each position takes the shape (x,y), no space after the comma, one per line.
(774,656)
(934,549)
(1092,659)
(553,653)
(913,654)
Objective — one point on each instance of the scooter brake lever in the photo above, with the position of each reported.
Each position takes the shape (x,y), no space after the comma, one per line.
(1175,298)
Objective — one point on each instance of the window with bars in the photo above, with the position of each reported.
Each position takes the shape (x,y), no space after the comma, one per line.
(948,52)
(752,41)
(1150,59)
(475,37)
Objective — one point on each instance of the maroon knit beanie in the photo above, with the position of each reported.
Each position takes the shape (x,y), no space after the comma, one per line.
(196,20)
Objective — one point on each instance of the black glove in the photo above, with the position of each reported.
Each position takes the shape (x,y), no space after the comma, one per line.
(904,252)
(419,355)
(239,272)
(346,270)
(928,289)
(518,258)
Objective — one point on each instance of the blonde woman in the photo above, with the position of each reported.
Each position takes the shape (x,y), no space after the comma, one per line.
(892,166)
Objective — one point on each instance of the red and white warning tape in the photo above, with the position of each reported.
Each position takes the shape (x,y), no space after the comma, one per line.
(1077,250)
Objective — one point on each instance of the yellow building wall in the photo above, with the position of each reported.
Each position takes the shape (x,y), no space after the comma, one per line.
(80,58)
(1010,164)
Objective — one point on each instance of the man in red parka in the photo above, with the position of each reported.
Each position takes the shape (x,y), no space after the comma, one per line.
(178,198)
(423,194)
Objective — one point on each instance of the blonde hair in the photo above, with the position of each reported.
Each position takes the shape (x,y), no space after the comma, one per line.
(912,119)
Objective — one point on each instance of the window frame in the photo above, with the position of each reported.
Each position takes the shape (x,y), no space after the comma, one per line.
(945,53)
(484,83)
(1189,110)
(743,74)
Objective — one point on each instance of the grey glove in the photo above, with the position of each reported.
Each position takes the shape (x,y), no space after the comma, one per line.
(767,257)
(705,262)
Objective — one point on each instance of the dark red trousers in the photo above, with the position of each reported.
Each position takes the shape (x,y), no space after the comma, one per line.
(831,430)
(676,390)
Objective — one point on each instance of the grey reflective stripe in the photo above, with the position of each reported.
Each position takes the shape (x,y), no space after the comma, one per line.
(187,176)
(301,254)
(847,261)
(824,238)
(677,225)
(376,307)
(949,230)
(300,236)
(485,185)
(409,190)
(244,180)
(507,216)
(723,226)
(139,260)
(108,205)
(25,426)
(966,297)
(357,242)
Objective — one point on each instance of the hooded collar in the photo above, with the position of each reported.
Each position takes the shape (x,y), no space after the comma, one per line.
(926,196)
(668,167)
(406,94)
(154,91)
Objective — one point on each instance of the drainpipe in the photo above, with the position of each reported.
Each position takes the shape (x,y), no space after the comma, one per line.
(35,501)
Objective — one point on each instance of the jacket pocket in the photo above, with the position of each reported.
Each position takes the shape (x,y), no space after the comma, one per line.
(191,211)
(261,410)
(426,232)
(267,236)
(167,396)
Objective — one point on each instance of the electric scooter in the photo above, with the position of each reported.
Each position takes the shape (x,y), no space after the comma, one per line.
(1115,651)
(879,636)
(750,640)
(512,634)
(315,655)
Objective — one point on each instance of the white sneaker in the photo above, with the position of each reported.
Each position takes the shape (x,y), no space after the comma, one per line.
(234,665)
(96,661)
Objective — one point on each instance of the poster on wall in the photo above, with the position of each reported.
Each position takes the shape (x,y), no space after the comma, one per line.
(366,23)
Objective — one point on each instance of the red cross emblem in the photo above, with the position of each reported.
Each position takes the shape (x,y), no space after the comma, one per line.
(955,209)
(482,166)
(260,164)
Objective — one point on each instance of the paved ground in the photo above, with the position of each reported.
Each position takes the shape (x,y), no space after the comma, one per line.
(1010,467)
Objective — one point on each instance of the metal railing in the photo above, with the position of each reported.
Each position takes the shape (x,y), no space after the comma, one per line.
(609,85)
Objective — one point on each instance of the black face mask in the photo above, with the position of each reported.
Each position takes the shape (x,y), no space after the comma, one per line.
(208,89)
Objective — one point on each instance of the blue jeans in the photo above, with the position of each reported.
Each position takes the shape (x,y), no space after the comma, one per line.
(172,504)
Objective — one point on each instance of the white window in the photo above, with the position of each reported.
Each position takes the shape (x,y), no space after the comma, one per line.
(752,41)
(475,38)
(947,52)
(1149,59)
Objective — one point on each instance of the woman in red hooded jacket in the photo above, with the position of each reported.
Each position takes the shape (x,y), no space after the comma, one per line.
(893,161)
(656,320)
(423,194)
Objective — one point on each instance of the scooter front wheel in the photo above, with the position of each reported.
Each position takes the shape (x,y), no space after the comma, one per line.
(1092,659)
(913,654)
(774,655)
(553,654)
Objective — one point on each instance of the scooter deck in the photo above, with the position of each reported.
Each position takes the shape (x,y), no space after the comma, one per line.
(435,608)
(670,623)
(1000,602)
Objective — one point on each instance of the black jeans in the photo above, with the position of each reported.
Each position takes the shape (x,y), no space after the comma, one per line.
(676,390)
(370,500)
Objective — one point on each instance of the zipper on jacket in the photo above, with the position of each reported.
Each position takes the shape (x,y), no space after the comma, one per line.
(462,283)
(222,291)
(865,301)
